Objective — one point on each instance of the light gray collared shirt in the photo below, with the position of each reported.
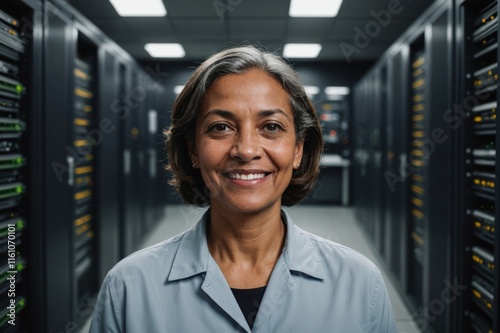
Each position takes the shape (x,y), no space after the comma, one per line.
(176,286)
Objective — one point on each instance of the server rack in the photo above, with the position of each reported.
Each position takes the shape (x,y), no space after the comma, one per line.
(109,161)
(19,183)
(418,220)
(418,166)
(71,198)
(478,243)
(395,154)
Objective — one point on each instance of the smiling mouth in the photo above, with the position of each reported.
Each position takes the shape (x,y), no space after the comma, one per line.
(247,176)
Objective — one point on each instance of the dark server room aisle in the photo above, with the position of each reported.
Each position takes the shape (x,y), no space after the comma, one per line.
(332,222)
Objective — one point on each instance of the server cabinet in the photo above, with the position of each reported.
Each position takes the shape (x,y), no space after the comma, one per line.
(109,161)
(131,201)
(478,245)
(19,165)
(415,206)
(71,101)
(395,154)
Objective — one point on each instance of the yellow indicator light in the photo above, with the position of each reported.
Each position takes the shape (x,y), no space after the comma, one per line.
(418,134)
(476,293)
(82,195)
(81,74)
(417,202)
(477,259)
(418,117)
(81,122)
(418,143)
(417,213)
(418,83)
(87,108)
(82,229)
(83,93)
(80,143)
(82,220)
(417,189)
(82,170)
(417,239)
(478,119)
(418,107)
(476,181)
(418,178)
(419,62)
(477,224)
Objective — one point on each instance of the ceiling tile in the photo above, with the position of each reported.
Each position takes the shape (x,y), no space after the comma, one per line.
(333,51)
(350,29)
(151,29)
(115,28)
(256,8)
(308,29)
(191,8)
(199,29)
(360,9)
(95,8)
(256,29)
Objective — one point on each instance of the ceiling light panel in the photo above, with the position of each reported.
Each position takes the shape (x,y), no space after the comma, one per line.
(337,90)
(139,8)
(165,50)
(314,8)
(301,50)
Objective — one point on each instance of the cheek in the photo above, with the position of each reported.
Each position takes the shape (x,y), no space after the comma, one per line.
(210,154)
(282,153)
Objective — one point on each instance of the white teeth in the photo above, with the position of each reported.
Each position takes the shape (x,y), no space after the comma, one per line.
(247,176)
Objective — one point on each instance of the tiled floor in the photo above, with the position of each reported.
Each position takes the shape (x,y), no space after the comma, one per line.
(335,223)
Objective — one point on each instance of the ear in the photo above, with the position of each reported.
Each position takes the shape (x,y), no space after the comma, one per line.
(297,158)
(192,151)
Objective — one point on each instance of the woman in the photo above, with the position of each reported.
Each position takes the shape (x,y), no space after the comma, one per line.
(245,141)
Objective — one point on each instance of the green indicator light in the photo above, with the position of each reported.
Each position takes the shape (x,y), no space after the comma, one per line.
(19,88)
(20,224)
(22,303)
(19,160)
(19,189)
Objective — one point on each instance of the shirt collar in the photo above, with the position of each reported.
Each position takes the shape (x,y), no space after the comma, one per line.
(192,256)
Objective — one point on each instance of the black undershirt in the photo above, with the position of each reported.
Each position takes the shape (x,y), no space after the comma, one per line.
(249,301)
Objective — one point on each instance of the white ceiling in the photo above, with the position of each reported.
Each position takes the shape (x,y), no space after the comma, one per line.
(197,25)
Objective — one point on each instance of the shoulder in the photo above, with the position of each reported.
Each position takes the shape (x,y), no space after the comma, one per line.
(146,263)
(337,257)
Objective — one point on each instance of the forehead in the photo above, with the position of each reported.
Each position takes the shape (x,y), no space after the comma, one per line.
(253,89)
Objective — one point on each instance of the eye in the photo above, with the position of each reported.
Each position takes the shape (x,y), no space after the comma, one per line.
(218,128)
(273,127)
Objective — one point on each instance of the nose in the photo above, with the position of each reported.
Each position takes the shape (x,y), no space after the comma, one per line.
(246,145)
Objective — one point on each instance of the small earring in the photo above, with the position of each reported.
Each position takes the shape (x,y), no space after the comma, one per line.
(194,165)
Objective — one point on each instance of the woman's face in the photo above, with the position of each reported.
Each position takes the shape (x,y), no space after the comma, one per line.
(245,143)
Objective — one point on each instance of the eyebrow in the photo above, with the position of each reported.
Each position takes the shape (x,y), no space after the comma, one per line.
(231,115)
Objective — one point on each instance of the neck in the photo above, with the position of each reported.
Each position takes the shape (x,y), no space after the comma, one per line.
(246,239)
